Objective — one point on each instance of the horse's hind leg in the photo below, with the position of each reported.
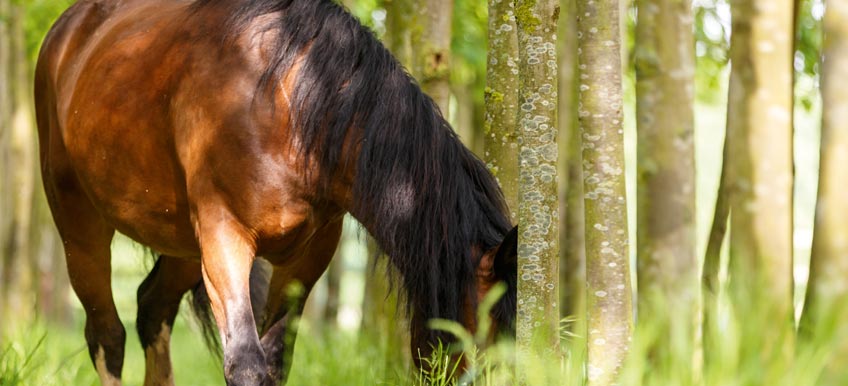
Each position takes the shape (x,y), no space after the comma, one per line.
(285,306)
(87,238)
(159,297)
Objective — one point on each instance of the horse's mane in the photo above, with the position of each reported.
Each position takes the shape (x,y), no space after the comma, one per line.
(422,195)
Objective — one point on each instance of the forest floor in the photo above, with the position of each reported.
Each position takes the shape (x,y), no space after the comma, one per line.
(45,355)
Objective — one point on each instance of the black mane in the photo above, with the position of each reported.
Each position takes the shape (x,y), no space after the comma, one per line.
(423,196)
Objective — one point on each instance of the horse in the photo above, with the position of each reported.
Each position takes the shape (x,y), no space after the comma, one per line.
(219,131)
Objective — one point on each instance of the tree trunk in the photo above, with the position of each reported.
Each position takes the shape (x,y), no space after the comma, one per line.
(572,248)
(432,45)
(537,323)
(20,165)
(500,130)
(667,267)
(334,277)
(399,26)
(6,187)
(419,34)
(760,173)
(49,263)
(711,333)
(463,119)
(382,320)
(825,312)
(609,302)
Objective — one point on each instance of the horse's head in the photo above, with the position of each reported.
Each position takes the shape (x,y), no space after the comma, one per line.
(497,265)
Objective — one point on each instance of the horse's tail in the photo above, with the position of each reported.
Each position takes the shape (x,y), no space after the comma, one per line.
(202,311)
(260,275)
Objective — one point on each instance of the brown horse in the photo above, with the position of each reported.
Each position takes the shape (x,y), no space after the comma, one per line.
(215,131)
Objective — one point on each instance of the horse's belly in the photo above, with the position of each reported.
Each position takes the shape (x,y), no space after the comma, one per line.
(152,210)
(133,179)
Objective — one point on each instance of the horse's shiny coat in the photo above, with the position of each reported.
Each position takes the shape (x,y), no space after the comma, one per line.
(152,123)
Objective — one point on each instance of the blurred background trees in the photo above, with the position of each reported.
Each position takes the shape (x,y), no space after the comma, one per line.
(680,99)
(667,264)
(32,274)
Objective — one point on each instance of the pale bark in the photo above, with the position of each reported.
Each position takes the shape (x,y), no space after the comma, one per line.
(463,119)
(5,129)
(432,50)
(666,266)
(381,320)
(399,26)
(760,174)
(609,304)
(500,130)
(20,171)
(572,248)
(33,277)
(334,277)
(826,313)
(537,322)
(419,32)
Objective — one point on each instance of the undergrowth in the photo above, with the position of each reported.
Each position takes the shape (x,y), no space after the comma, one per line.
(43,354)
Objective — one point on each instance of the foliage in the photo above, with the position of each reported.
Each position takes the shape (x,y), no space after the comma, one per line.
(712,43)
(468,46)
(808,49)
(39,15)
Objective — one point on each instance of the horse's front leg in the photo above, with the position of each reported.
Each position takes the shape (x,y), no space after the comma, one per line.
(227,255)
(285,306)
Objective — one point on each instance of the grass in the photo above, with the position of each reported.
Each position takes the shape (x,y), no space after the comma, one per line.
(51,355)
(42,354)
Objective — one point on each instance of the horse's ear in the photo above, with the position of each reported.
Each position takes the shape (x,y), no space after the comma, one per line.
(506,258)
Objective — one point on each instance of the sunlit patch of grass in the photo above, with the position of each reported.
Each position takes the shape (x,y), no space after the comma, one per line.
(326,356)
(40,356)
(17,362)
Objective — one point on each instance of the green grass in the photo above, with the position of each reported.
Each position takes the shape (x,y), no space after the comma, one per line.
(50,355)
(44,354)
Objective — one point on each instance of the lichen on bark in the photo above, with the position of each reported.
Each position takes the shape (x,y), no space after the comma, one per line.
(609,303)
(537,323)
(501,131)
